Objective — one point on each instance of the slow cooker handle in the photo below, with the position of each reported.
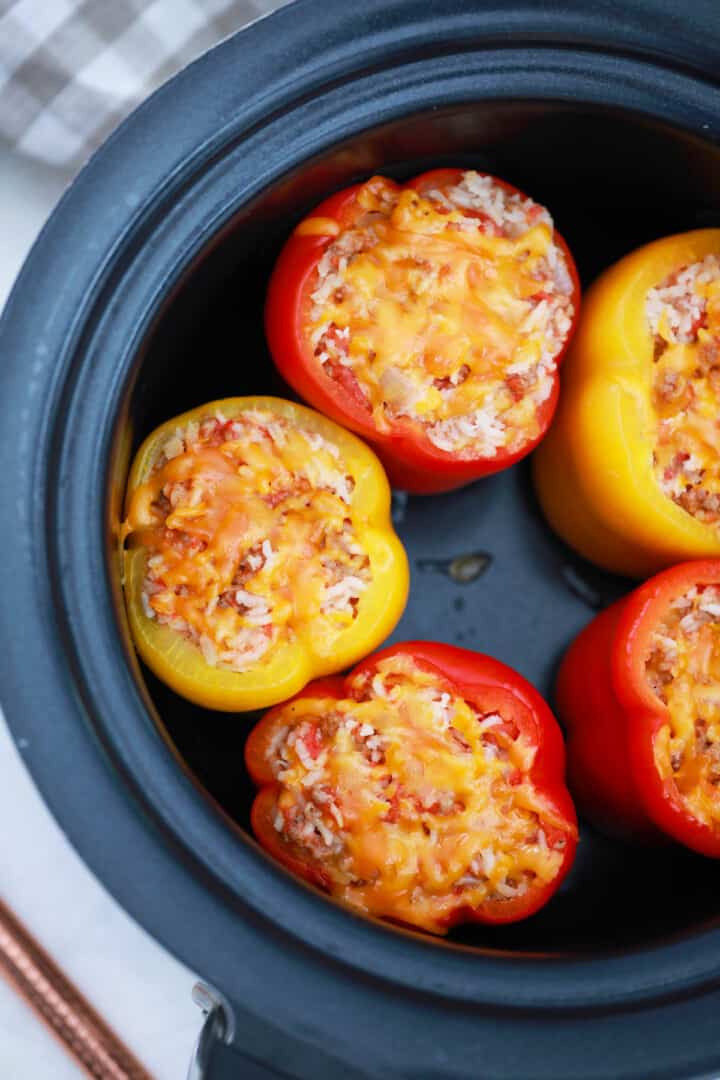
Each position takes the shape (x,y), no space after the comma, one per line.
(217,1055)
(213,1057)
(226,1064)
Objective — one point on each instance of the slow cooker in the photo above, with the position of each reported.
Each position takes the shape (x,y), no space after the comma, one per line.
(143,297)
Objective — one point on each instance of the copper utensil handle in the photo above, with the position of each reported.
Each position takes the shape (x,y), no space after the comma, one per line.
(70,1017)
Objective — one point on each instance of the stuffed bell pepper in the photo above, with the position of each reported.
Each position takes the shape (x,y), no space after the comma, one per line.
(629,475)
(639,693)
(260,552)
(426,788)
(430,318)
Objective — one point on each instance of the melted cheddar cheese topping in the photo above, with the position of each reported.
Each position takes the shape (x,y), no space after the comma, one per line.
(684,317)
(412,803)
(249,532)
(446,310)
(683,670)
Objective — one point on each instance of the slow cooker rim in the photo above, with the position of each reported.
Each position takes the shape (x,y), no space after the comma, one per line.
(516,959)
(33,266)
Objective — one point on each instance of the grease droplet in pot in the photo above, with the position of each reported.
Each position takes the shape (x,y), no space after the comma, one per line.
(463,569)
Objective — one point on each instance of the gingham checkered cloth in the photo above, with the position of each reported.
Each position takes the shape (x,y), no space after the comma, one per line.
(70,70)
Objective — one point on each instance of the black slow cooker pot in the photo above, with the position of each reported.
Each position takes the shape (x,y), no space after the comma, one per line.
(143,297)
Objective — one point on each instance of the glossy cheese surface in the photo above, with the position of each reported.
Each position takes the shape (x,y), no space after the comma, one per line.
(251,536)
(683,670)
(412,803)
(446,309)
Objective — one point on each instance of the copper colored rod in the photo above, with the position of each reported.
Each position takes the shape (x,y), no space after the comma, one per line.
(70,1017)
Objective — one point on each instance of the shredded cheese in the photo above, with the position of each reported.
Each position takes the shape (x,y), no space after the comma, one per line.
(683,314)
(446,309)
(249,530)
(683,670)
(412,802)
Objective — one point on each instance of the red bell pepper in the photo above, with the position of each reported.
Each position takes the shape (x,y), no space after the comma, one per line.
(412,335)
(426,787)
(639,693)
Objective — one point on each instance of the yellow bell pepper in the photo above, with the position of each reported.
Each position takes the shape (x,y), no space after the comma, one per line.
(595,473)
(260,552)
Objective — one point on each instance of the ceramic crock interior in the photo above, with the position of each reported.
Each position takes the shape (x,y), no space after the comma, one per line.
(612,180)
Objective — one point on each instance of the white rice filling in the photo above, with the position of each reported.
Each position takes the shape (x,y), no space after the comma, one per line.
(484,431)
(675,308)
(293,757)
(344,584)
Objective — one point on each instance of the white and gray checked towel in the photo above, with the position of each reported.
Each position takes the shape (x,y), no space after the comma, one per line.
(70,70)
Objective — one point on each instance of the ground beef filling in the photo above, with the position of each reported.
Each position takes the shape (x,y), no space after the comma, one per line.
(683,669)
(447,310)
(412,802)
(683,314)
(249,532)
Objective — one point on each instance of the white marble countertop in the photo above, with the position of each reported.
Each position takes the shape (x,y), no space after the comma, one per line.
(141,990)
